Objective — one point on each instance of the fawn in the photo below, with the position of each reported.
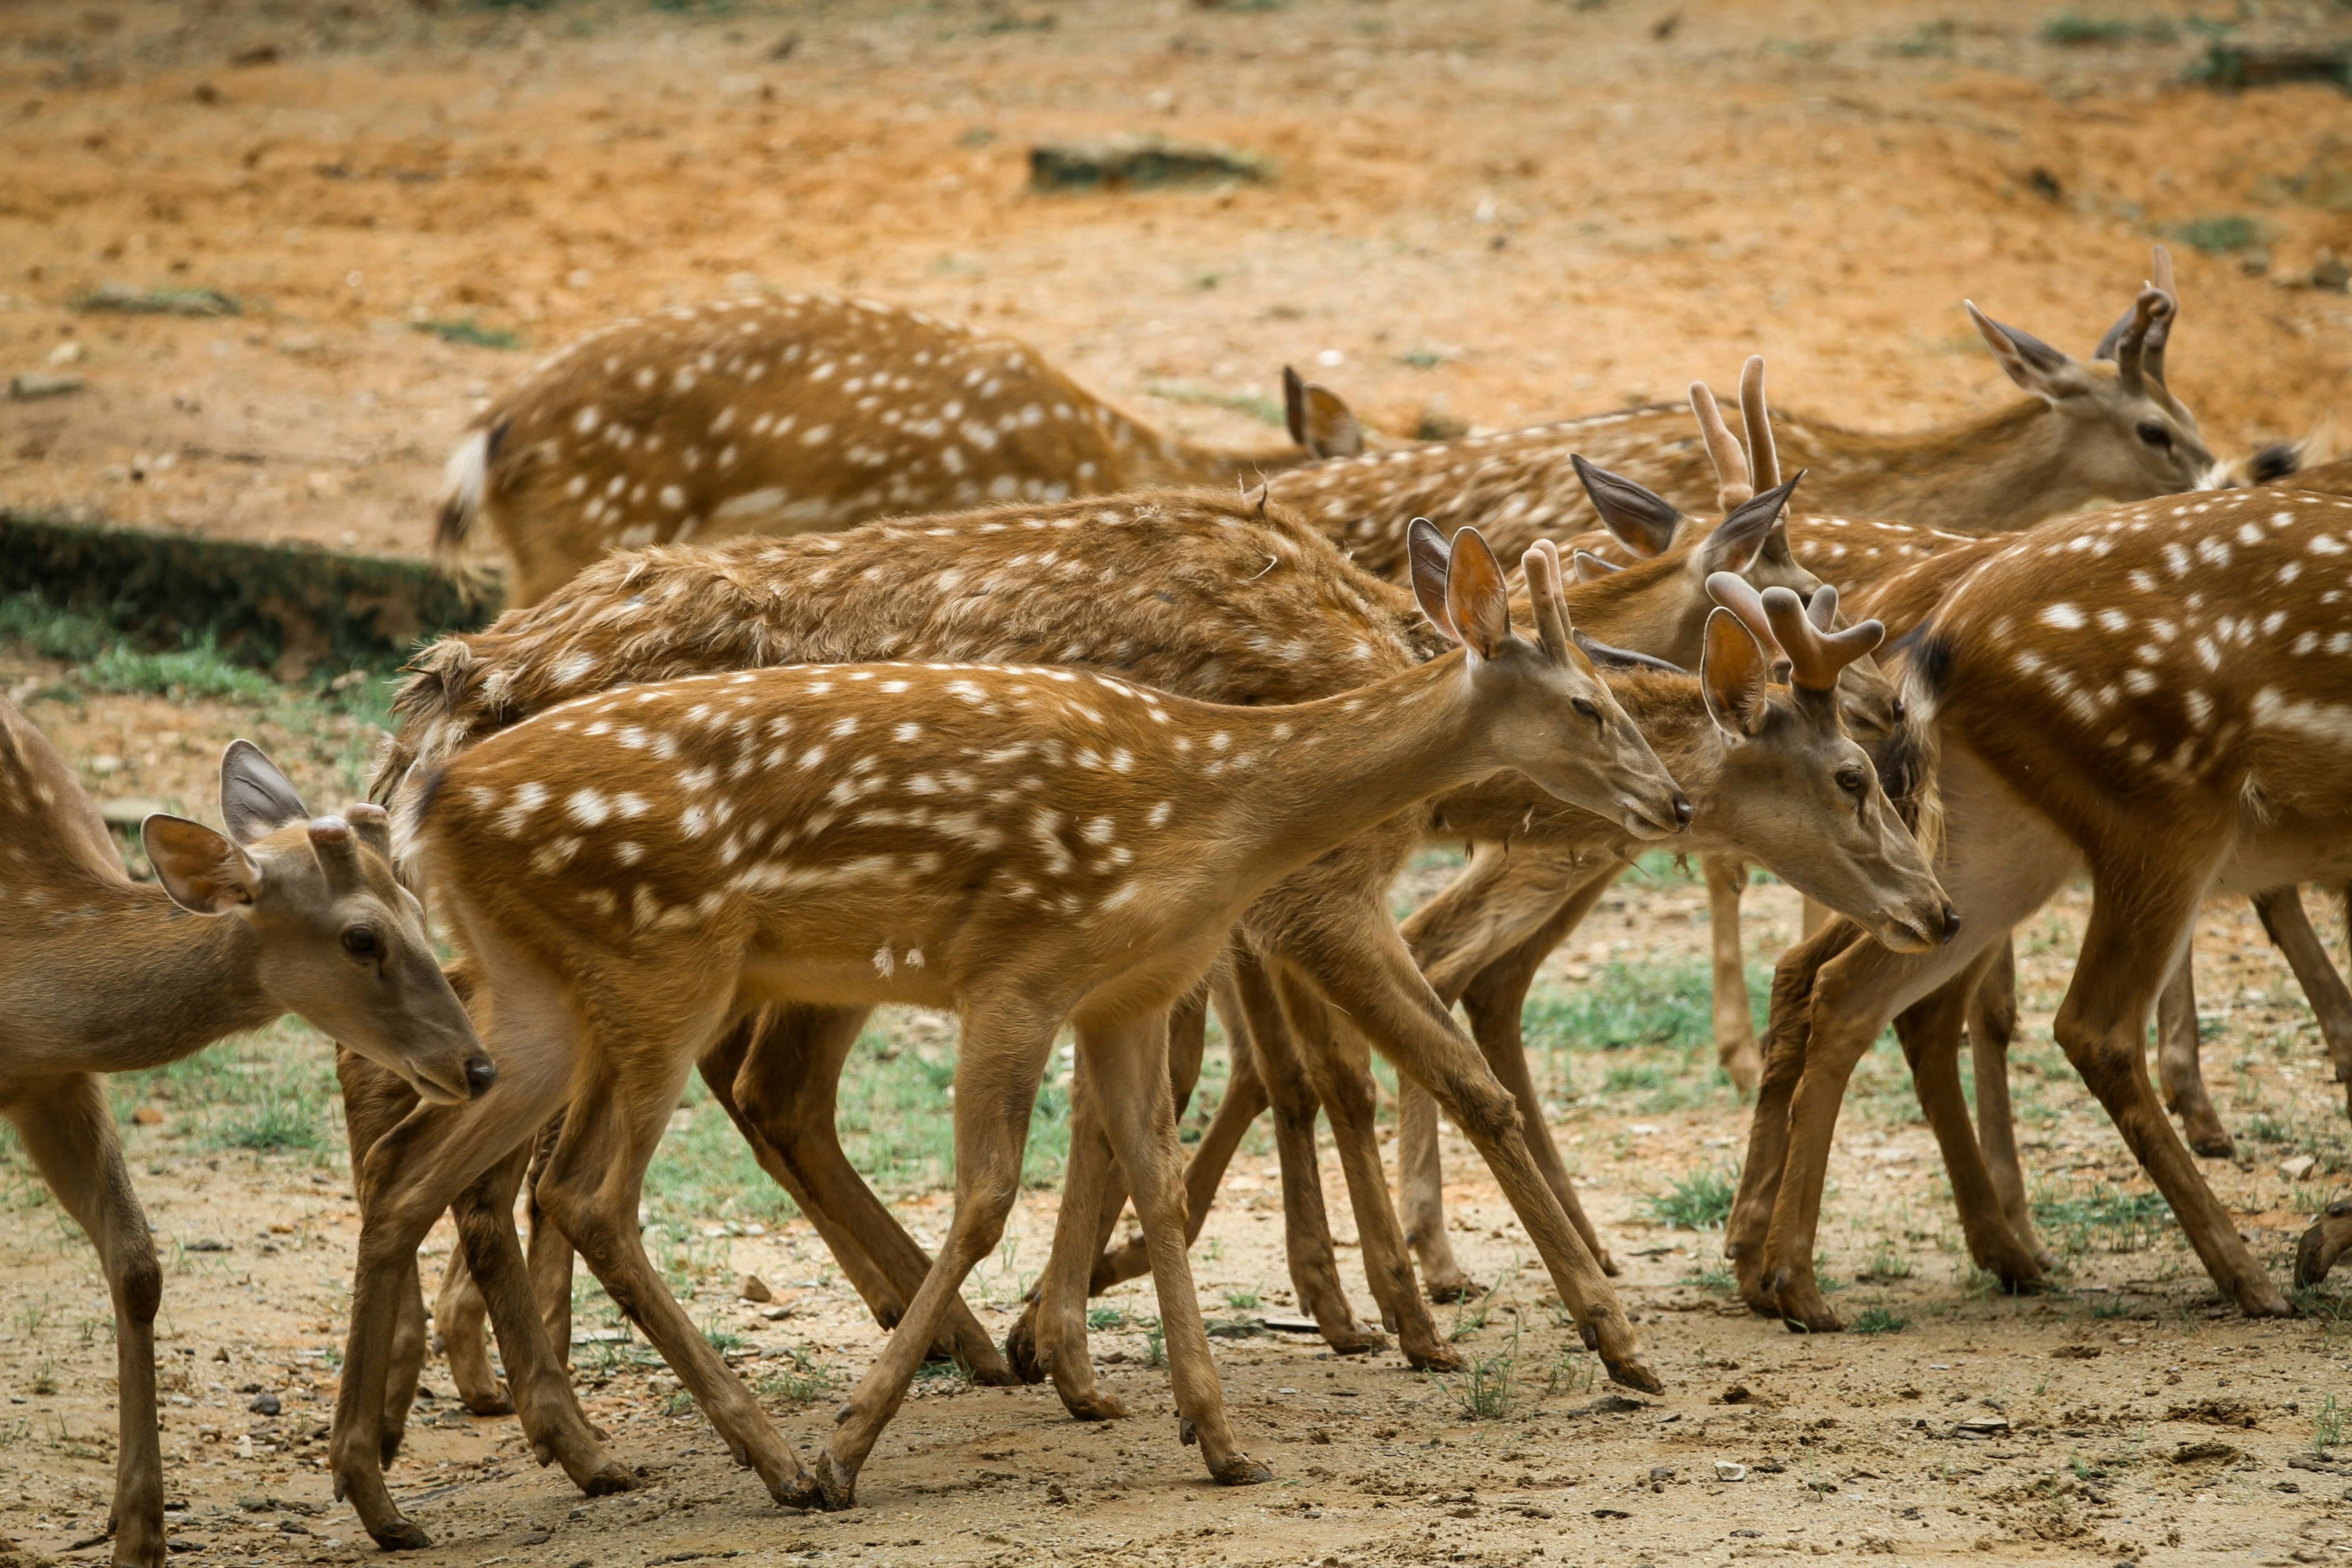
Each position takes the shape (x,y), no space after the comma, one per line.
(1023,845)
(2152,694)
(1248,606)
(800,414)
(284,913)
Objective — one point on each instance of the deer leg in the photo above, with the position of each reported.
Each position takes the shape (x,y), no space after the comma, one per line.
(1281,1044)
(2182,1069)
(1056,1311)
(68,1130)
(459,1319)
(412,1174)
(998,1069)
(2284,917)
(590,1189)
(1339,1068)
(1992,1023)
(1788,1040)
(1246,1099)
(2139,930)
(1126,1064)
(1364,970)
(1930,1031)
(1421,1196)
(788,1087)
(2329,1238)
(1735,1021)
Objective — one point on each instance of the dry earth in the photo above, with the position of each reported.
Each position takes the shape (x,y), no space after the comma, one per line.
(1500,215)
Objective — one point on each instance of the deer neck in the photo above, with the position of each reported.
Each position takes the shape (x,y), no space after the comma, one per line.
(1151,457)
(2003,472)
(1348,761)
(163,983)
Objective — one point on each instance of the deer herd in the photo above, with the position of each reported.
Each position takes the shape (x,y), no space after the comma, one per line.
(778,729)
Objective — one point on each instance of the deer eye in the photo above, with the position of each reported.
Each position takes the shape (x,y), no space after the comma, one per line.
(360,943)
(1849,779)
(1584,705)
(2155,435)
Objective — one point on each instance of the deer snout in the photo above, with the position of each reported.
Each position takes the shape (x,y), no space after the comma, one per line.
(1951,922)
(1682,811)
(480,1074)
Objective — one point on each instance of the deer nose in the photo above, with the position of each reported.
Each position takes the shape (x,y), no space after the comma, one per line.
(1951,922)
(480,1073)
(1682,810)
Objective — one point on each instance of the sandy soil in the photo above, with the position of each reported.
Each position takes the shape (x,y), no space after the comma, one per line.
(1655,188)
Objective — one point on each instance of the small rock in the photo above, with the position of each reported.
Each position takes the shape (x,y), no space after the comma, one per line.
(1983,1427)
(1138,164)
(1737,1393)
(659,1386)
(2331,273)
(2296,1169)
(32,385)
(1662,1472)
(67,352)
(775,1314)
(105,763)
(207,1244)
(1725,1470)
(2201,1453)
(2075,1352)
(265,1405)
(755,1289)
(148,1115)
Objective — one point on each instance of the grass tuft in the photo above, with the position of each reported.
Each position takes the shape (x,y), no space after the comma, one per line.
(467,330)
(1700,1200)
(1877,1321)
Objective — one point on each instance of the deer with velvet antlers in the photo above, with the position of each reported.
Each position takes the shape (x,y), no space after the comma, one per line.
(800,414)
(283,914)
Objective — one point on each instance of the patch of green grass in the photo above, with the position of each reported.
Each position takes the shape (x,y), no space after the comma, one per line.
(272,1091)
(2326,1427)
(1258,407)
(1877,1321)
(1700,1200)
(1237,1328)
(1887,1263)
(1105,1320)
(795,1376)
(1485,1389)
(943,1374)
(898,1128)
(198,671)
(1155,1344)
(2087,1216)
(1422,359)
(51,631)
(1714,1277)
(1244,1301)
(1622,1005)
(2074,30)
(2219,232)
(1934,38)
(470,331)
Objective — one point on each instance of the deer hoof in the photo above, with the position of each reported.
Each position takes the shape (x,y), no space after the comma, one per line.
(1460,1287)
(1021,1348)
(1241,1470)
(1632,1374)
(1093,1406)
(836,1485)
(2329,1239)
(497,1402)
(1355,1340)
(1433,1358)
(399,1535)
(610,1478)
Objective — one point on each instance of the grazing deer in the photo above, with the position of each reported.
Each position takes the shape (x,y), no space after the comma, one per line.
(1307,624)
(283,914)
(2083,434)
(2153,695)
(1026,846)
(805,414)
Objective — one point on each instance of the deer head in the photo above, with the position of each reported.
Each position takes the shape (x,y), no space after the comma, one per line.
(338,940)
(1551,716)
(1793,783)
(2128,436)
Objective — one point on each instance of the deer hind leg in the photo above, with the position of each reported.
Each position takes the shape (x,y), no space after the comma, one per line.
(69,1130)
(1366,973)
(2180,1068)
(1735,1018)
(2140,923)
(460,1319)
(1992,1023)
(1054,1319)
(787,1091)
(999,1067)
(2289,925)
(1125,1064)
(2329,1238)
(1930,1032)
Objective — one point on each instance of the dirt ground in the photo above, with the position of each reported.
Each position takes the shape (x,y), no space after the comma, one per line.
(1496,215)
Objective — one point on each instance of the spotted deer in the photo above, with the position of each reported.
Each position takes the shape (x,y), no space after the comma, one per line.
(805,414)
(1309,624)
(283,914)
(1024,846)
(2153,695)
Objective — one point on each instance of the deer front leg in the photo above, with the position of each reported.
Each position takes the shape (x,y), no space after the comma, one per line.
(1992,1023)
(1371,979)
(1056,1311)
(2137,923)
(1421,1196)
(1126,1064)
(2284,917)
(1735,1021)
(999,1066)
(1930,1031)
(69,1130)
(2182,1069)
(460,1320)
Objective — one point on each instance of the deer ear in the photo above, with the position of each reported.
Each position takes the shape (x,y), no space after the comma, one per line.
(1734,675)
(1589,568)
(257,800)
(1319,418)
(200,869)
(2047,373)
(1640,518)
(1428,552)
(1478,599)
(1739,538)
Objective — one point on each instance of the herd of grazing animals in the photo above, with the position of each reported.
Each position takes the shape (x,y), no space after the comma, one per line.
(1154,733)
